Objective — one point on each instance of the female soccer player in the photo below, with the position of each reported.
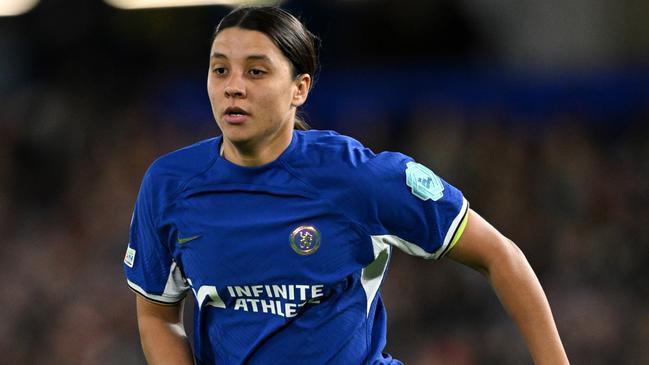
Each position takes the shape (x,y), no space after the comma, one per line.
(284,235)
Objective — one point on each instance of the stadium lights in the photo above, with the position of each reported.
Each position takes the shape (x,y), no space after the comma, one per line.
(147,4)
(16,7)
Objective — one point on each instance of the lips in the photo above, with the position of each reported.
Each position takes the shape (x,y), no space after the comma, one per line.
(233,110)
(235,115)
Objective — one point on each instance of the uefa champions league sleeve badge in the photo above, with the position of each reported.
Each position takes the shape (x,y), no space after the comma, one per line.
(305,240)
(423,182)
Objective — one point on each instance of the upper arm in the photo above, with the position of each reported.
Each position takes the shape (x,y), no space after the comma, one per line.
(162,333)
(148,310)
(481,245)
(149,264)
(419,211)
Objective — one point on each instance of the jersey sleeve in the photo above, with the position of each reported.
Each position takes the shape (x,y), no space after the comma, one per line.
(414,209)
(149,265)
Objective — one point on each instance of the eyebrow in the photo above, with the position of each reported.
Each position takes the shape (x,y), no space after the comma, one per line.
(252,57)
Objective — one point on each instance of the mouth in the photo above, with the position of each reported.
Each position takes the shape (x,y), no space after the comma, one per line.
(235,111)
(235,115)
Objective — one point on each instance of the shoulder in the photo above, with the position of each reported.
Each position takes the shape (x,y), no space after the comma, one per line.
(315,142)
(335,156)
(320,147)
(171,171)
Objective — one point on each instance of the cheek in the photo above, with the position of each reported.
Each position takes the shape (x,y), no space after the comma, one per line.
(211,88)
(261,100)
(277,98)
(215,86)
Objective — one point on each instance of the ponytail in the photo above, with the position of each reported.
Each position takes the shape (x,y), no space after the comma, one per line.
(300,124)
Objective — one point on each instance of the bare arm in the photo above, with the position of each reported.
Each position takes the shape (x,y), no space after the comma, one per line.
(162,333)
(483,248)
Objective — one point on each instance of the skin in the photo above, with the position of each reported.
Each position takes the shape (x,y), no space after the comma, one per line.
(504,265)
(162,333)
(248,71)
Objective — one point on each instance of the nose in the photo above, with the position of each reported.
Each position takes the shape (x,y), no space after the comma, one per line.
(234,92)
(234,88)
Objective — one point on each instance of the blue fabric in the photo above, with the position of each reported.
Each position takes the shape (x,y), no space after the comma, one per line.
(268,290)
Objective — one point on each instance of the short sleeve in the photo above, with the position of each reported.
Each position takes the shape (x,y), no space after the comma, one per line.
(414,209)
(149,265)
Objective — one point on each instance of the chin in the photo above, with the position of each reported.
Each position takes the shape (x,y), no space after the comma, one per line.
(234,133)
(238,137)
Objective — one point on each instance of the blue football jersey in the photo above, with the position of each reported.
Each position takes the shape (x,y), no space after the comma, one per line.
(285,260)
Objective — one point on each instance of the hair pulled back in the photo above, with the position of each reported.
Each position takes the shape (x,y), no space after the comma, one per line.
(286,31)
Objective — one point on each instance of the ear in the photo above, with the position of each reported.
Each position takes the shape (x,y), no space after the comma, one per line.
(303,84)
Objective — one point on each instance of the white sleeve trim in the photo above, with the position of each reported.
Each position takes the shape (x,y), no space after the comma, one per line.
(414,249)
(174,291)
(453,228)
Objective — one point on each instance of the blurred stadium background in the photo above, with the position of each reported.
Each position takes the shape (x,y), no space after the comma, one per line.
(537,110)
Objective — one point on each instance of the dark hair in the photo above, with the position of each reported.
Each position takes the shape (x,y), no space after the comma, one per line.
(286,31)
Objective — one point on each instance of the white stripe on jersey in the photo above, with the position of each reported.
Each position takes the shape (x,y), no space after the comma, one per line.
(405,246)
(414,249)
(372,274)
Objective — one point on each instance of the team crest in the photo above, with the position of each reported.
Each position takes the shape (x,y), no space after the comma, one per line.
(423,182)
(305,240)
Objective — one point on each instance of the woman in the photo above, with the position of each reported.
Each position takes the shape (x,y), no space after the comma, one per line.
(284,235)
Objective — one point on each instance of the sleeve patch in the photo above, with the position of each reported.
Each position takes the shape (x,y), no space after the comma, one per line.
(129,258)
(423,183)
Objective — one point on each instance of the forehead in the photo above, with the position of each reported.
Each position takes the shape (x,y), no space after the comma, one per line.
(237,43)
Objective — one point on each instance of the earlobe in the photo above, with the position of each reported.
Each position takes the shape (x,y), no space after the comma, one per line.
(303,84)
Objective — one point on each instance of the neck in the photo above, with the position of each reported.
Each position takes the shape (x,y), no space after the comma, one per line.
(252,154)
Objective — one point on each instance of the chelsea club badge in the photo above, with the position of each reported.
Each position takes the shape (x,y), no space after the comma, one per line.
(305,240)
(423,182)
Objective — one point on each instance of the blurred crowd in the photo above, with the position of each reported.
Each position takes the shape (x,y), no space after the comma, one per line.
(572,195)
(90,97)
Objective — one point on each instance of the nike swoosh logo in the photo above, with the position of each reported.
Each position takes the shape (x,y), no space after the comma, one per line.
(187,239)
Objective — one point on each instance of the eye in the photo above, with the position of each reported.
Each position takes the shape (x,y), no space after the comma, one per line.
(256,72)
(219,71)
